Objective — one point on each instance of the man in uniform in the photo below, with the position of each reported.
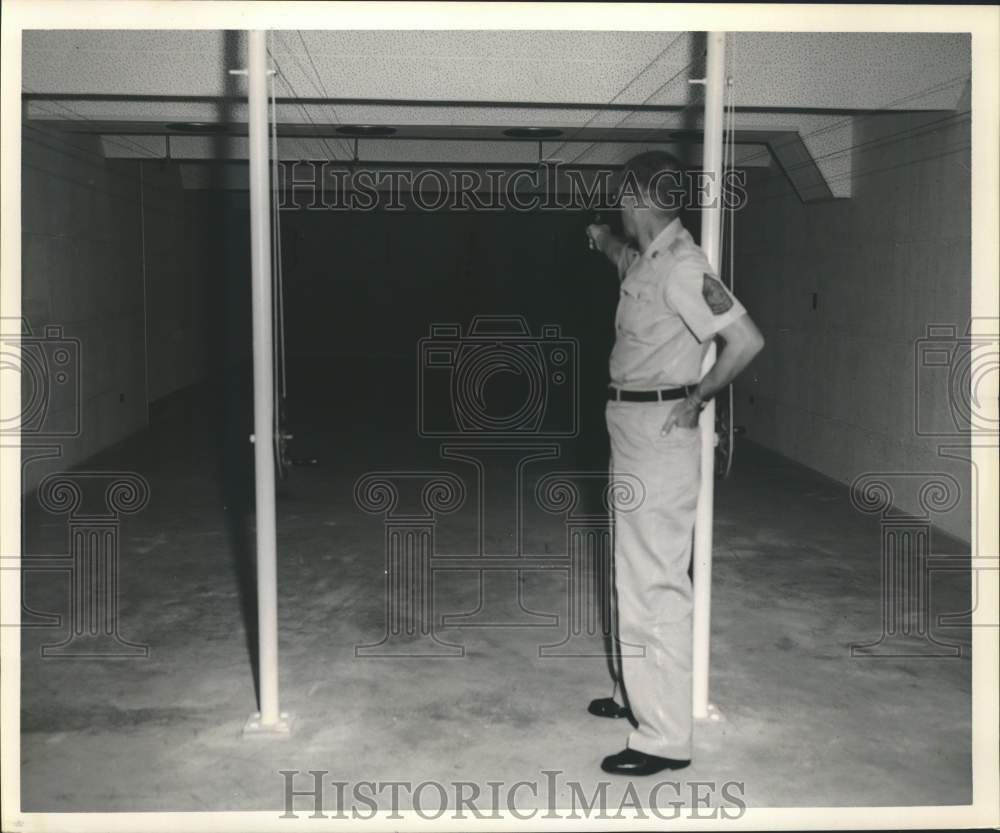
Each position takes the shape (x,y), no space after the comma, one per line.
(670,308)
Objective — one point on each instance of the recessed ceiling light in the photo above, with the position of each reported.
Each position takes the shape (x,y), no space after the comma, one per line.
(366,130)
(532,132)
(197,127)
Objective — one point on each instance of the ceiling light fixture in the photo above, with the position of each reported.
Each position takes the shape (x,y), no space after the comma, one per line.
(532,132)
(197,127)
(366,130)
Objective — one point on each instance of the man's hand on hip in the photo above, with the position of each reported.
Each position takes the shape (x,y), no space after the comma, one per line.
(685,415)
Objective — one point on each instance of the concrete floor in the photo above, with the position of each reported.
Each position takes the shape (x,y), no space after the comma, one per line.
(796,582)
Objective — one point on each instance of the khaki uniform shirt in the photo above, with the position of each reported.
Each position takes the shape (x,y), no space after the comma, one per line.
(671,306)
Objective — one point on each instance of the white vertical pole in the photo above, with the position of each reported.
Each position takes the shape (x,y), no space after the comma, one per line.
(263,382)
(711,217)
(145,287)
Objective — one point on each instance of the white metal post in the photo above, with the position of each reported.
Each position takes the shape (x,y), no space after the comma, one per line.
(270,718)
(711,217)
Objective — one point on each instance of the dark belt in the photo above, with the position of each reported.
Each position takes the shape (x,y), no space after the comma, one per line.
(618,395)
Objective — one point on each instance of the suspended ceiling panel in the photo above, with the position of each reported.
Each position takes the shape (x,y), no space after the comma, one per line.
(816,84)
(850,70)
(502,66)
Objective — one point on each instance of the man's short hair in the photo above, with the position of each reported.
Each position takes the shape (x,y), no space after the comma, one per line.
(660,175)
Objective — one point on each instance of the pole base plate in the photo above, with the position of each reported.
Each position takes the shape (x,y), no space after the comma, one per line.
(255,728)
(712,714)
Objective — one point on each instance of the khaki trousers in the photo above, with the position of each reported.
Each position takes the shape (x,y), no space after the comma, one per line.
(653,589)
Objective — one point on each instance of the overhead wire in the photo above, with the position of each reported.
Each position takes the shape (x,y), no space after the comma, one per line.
(631,81)
(853,176)
(322,144)
(320,90)
(620,122)
(672,121)
(679,114)
(888,106)
(907,133)
(124,143)
(774,179)
(319,78)
(75,151)
(880,111)
(913,131)
(97,160)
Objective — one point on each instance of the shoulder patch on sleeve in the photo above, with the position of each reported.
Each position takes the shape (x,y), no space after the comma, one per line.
(715,295)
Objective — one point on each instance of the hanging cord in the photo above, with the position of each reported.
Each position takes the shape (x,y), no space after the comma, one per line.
(276,259)
(275,367)
(728,229)
(729,166)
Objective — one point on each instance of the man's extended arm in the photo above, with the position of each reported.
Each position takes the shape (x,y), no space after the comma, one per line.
(743,341)
(605,242)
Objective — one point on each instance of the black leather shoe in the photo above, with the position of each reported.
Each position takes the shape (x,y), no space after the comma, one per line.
(607,707)
(633,762)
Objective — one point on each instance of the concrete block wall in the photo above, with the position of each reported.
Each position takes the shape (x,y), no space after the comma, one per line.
(81,272)
(844,291)
(114,256)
